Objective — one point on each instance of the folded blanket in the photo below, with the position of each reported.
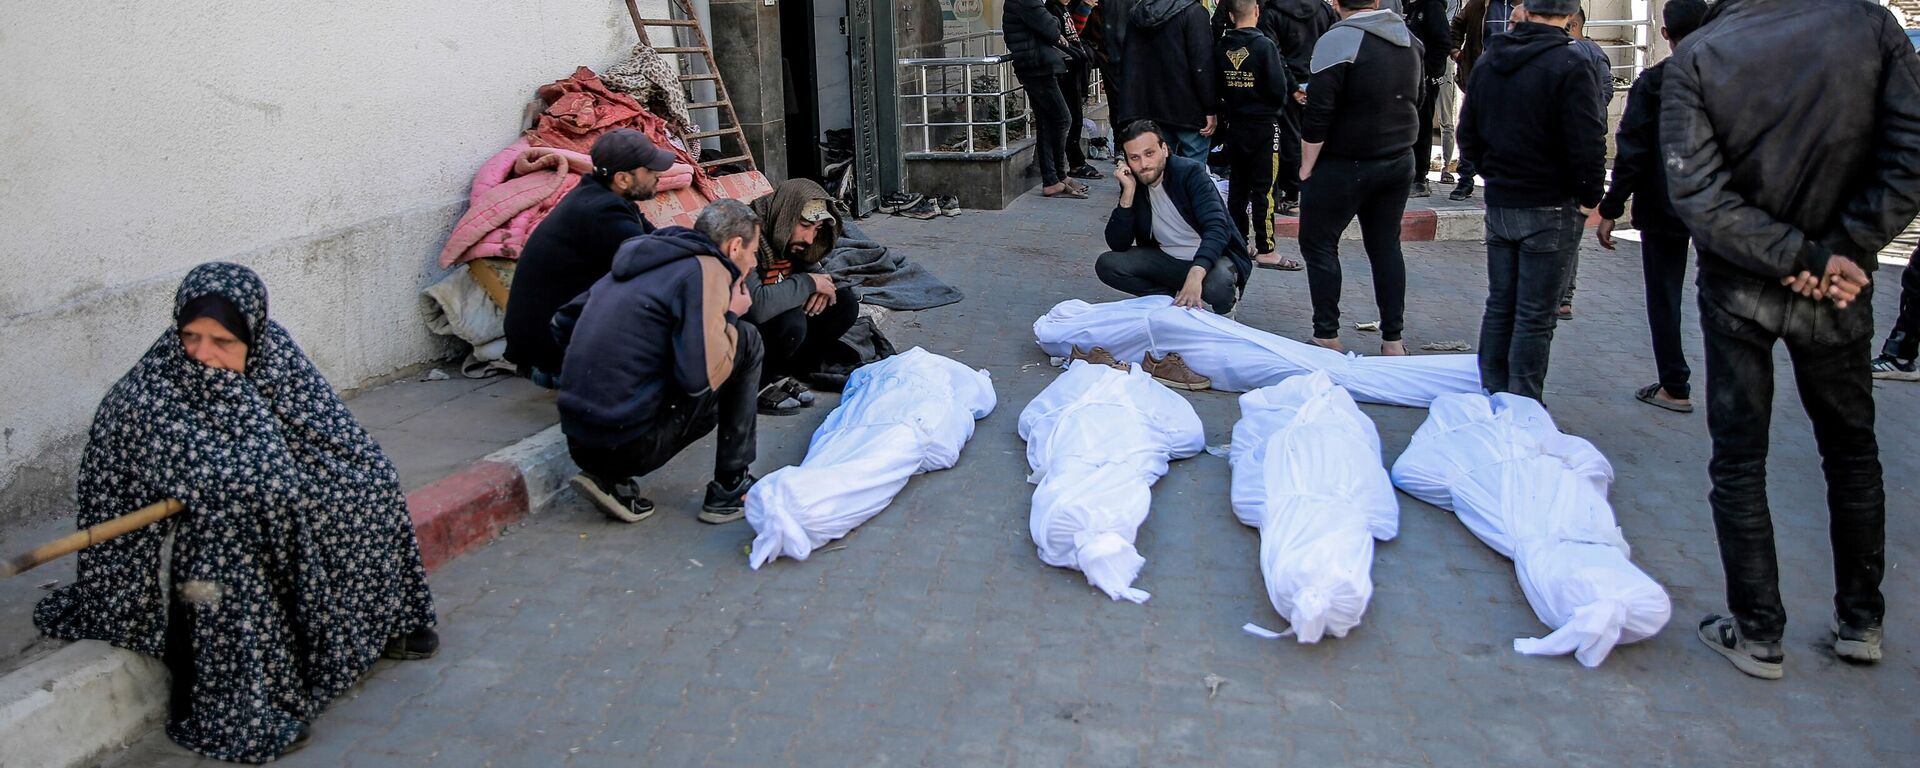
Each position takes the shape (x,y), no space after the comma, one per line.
(882,277)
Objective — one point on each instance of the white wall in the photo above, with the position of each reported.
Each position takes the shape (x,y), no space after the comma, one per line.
(327,145)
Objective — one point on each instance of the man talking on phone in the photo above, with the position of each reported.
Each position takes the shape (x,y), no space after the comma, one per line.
(1170,234)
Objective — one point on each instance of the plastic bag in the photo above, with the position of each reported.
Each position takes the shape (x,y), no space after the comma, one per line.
(1540,498)
(1097,440)
(1307,474)
(1239,359)
(898,417)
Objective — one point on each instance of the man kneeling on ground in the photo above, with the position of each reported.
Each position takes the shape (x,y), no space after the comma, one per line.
(656,356)
(799,312)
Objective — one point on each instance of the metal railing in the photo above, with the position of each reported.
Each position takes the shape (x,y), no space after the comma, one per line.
(1635,43)
(959,99)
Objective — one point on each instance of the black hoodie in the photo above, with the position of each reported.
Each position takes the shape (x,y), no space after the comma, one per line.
(1167,65)
(1532,123)
(1363,102)
(659,320)
(1253,81)
(1296,26)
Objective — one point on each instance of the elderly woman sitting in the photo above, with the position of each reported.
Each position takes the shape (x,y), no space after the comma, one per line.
(293,568)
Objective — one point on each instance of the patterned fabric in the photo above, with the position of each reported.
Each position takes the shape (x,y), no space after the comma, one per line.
(294,561)
(646,76)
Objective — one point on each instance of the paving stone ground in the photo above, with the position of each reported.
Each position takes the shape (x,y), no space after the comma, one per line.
(934,636)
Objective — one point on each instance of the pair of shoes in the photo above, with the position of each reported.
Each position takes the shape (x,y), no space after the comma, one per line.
(775,400)
(922,210)
(419,644)
(1420,189)
(1855,644)
(723,504)
(621,501)
(898,201)
(1085,172)
(1097,356)
(798,391)
(1761,660)
(1463,191)
(1895,369)
(1172,371)
(1446,177)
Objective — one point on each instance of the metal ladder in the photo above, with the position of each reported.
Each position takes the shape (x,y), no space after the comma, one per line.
(690,26)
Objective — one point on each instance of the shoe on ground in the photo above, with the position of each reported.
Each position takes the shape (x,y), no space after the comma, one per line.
(1420,189)
(898,201)
(923,210)
(1894,369)
(1172,371)
(1287,207)
(621,501)
(300,740)
(1085,172)
(725,505)
(1857,645)
(1463,190)
(1097,356)
(798,391)
(775,401)
(419,644)
(949,205)
(1762,660)
(1446,177)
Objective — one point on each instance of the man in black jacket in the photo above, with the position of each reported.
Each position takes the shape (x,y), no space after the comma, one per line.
(1357,159)
(1170,235)
(1295,26)
(1638,173)
(1428,21)
(1532,125)
(1790,188)
(1167,73)
(1253,87)
(573,246)
(657,356)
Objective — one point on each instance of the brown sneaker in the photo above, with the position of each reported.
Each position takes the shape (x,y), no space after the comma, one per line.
(1173,372)
(1097,356)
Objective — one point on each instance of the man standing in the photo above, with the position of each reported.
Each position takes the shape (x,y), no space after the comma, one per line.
(1602,74)
(1639,174)
(1254,88)
(1532,123)
(1167,73)
(1428,20)
(1896,360)
(1170,235)
(1357,159)
(800,314)
(573,246)
(1788,214)
(656,357)
(1477,22)
(1295,26)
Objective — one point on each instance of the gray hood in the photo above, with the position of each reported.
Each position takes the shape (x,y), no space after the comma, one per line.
(1153,13)
(1341,43)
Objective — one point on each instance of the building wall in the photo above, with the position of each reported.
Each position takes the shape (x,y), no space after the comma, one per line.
(327,145)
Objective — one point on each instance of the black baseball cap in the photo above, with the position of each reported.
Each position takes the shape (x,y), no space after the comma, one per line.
(625,149)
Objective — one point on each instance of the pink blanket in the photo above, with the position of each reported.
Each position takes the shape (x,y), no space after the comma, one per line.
(514,191)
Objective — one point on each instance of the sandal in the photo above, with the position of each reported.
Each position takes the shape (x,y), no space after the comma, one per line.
(1650,394)
(1285,264)
(1066,191)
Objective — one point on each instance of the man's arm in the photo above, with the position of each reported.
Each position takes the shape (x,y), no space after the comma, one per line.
(775,298)
(1215,227)
(1466,136)
(561,326)
(1033,13)
(1436,34)
(1199,43)
(1120,225)
(1583,136)
(1891,193)
(1633,148)
(1331,60)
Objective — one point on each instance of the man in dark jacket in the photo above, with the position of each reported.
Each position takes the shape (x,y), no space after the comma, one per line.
(1035,40)
(1477,22)
(1167,73)
(656,357)
(1638,174)
(1428,21)
(573,247)
(1170,235)
(1602,74)
(1295,27)
(1790,188)
(800,313)
(1253,87)
(1532,123)
(1357,159)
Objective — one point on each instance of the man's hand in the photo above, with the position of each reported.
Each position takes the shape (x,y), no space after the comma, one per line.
(822,285)
(817,304)
(1606,234)
(1124,174)
(740,301)
(1189,295)
(1212,124)
(1585,212)
(1844,280)
(1806,284)
(1300,96)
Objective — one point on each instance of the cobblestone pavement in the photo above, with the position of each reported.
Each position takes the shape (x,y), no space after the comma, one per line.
(934,636)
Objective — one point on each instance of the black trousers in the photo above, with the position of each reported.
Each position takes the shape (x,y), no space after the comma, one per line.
(1147,271)
(1376,192)
(1663,262)
(1073,87)
(1253,161)
(1527,264)
(1049,112)
(1287,181)
(1904,341)
(1423,144)
(1835,381)
(683,419)
(797,344)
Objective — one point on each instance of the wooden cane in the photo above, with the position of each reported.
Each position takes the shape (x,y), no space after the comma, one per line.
(79,540)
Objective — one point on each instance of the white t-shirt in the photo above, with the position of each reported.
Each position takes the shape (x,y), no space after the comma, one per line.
(1169,227)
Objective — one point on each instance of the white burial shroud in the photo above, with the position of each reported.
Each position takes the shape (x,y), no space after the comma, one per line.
(1239,358)
(1097,439)
(1307,473)
(898,417)
(1538,497)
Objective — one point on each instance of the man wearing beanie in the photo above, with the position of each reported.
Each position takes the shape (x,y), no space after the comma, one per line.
(1532,125)
(1357,160)
(574,245)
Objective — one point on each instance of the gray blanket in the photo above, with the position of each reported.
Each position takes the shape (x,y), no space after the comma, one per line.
(880,277)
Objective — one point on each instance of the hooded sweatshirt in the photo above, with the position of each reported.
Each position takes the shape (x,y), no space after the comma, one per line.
(1167,65)
(1363,101)
(1296,27)
(655,329)
(1532,123)
(1253,80)
(781,283)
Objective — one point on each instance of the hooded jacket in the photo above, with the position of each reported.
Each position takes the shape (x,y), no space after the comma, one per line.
(1363,101)
(1033,38)
(572,248)
(1637,170)
(1532,123)
(1253,81)
(1167,65)
(780,284)
(656,328)
(1296,27)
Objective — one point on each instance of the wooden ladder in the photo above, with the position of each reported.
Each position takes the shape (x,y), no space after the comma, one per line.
(690,26)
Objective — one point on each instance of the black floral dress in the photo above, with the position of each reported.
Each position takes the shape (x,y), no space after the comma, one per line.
(294,561)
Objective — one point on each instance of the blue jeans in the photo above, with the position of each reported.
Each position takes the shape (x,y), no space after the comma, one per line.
(1529,260)
(1189,144)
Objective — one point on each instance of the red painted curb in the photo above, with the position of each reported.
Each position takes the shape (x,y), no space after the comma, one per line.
(1415,226)
(466,509)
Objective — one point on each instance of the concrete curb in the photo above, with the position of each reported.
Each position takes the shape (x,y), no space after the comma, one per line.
(84,700)
(1418,225)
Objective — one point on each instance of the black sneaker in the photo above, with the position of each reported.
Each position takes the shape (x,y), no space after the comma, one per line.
(621,501)
(725,505)
(923,210)
(1858,645)
(1895,369)
(898,201)
(775,401)
(1086,172)
(799,391)
(1761,660)
(419,644)
(949,205)
(1420,189)
(1463,191)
